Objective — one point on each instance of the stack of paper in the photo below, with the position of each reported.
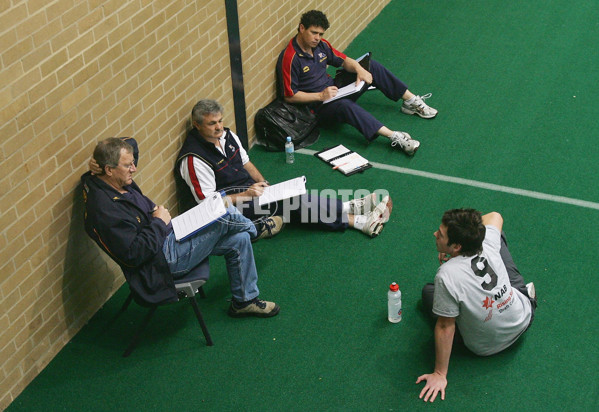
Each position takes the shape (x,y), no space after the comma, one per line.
(283,190)
(346,91)
(198,217)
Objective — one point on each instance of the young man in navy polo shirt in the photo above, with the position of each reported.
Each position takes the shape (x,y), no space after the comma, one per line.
(301,69)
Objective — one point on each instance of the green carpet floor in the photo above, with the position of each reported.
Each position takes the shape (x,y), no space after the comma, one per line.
(516,86)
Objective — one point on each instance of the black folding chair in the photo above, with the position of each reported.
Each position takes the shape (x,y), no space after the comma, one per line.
(187,287)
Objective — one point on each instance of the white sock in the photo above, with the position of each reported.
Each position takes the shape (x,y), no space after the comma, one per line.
(345,208)
(411,100)
(360,221)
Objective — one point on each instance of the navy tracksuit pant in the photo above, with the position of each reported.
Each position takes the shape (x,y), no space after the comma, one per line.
(322,212)
(346,110)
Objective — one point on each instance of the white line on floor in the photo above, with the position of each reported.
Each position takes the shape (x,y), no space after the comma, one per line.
(475,183)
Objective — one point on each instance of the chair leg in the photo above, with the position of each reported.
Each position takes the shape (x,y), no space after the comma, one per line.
(125,304)
(137,335)
(116,316)
(202,293)
(196,309)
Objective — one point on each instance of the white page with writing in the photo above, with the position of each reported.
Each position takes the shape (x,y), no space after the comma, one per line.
(199,216)
(350,162)
(283,190)
(333,152)
(346,91)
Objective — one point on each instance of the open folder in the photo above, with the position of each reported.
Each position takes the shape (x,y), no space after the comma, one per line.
(198,217)
(343,159)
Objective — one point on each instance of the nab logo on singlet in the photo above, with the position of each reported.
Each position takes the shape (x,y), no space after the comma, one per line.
(501,292)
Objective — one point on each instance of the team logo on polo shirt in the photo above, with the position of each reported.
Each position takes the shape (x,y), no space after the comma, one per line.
(306,69)
(322,56)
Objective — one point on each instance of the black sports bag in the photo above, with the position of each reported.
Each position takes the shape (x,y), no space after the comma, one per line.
(280,119)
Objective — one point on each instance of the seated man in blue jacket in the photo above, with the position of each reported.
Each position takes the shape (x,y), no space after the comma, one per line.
(138,235)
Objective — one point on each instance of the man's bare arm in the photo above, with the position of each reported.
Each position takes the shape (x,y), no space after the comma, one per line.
(254,172)
(353,66)
(436,382)
(305,97)
(493,219)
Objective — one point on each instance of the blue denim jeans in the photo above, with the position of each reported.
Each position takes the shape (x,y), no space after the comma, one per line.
(229,237)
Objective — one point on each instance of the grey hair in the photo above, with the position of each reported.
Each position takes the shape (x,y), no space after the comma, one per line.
(108,152)
(204,107)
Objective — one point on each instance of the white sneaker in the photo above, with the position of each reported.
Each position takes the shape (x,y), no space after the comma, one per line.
(375,220)
(365,205)
(419,108)
(530,288)
(405,142)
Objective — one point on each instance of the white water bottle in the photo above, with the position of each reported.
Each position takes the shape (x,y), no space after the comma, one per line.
(289,155)
(394,303)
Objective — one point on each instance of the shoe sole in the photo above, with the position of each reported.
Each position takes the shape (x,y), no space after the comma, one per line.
(377,230)
(409,153)
(389,209)
(412,153)
(530,288)
(270,314)
(408,111)
(381,223)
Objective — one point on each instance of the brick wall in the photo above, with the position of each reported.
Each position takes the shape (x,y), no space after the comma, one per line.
(75,71)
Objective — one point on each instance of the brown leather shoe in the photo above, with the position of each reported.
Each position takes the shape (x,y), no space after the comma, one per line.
(269,227)
(257,307)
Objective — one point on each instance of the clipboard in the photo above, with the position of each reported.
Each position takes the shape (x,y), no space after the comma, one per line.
(198,217)
(284,190)
(343,159)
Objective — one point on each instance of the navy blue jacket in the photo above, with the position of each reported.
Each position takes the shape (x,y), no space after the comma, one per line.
(131,237)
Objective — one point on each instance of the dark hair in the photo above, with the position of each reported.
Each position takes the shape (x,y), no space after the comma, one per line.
(204,107)
(108,152)
(314,18)
(465,227)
